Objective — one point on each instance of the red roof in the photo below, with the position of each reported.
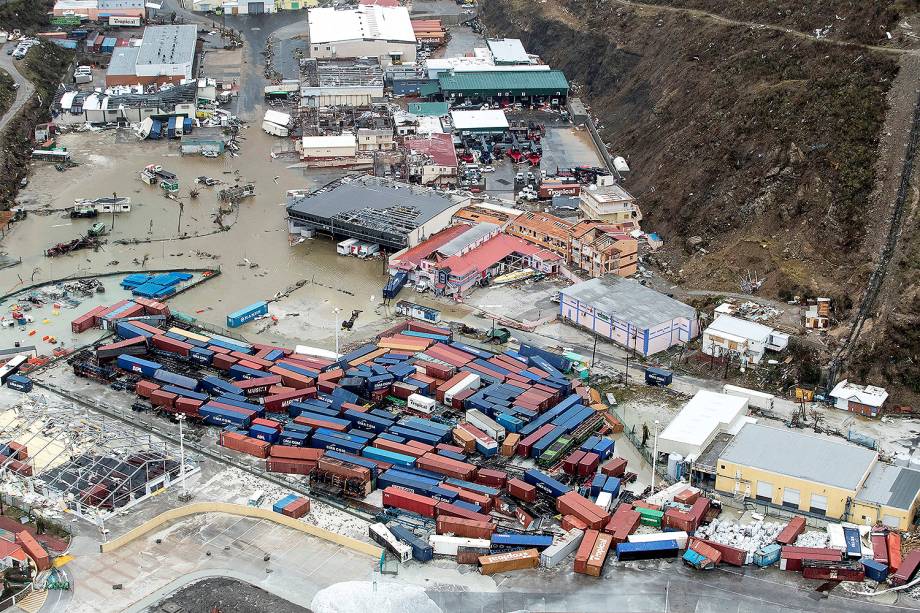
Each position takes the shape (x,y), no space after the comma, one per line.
(415,255)
(439,146)
(493,251)
(11,550)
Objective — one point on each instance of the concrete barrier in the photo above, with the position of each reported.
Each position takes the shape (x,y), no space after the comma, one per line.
(198,508)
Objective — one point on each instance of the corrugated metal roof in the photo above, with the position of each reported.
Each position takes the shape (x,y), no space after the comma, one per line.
(802,456)
(629,301)
(890,485)
(429,109)
(512,81)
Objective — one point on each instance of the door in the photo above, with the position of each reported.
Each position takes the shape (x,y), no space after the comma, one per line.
(818,504)
(764,491)
(256,8)
(791,498)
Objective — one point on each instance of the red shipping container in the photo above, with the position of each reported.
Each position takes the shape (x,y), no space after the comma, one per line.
(447,467)
(223,362)
(188,406)
(278,403)
(262,364)
(291,379)
(570,464)
(571,503)
(730,555)
(115,348)
(289,467)
(484,502)
(248,364)
(588,464)
(297,509)
(145,388)
(34,550)
(244,444)
(468,528)
(678,520)
(87,320)
(280,389)
(159,398)
(833,571)
(894,551)
(319,423)
(388,445)
(326,387)
(295,453)
(20,468)
(135,310)
(18,451)
(457,401)
(109,309)
(879,547)
(614,468)
(492,478)
(624,522)
(521,490)
(906,570)
(526,444)
(445,387)
(453,448)
(698,511)
(570,522)
(257,386)
(170,344)
(595,562)
(332,375)
(268,423)
(646,505)
(403,390)
(584,551)
(401,499)
(710,553)
(793,529)
(420,446)
(454,511)
(462,437)
(688,496)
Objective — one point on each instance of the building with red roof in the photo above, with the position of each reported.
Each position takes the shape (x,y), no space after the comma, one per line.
(432,160)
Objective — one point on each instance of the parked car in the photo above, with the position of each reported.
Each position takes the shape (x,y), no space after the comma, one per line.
(488,169)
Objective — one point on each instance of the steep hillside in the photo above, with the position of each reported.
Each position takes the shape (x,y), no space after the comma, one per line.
(764,143)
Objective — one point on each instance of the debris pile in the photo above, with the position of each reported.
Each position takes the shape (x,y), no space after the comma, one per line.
(749,537)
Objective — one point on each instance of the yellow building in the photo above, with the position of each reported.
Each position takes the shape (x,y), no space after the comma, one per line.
(815,475)
(294,5)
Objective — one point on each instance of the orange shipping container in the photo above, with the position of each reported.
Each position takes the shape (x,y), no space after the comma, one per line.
(34,550)
(584,551)
(513,560)
(598,556)
(509,445)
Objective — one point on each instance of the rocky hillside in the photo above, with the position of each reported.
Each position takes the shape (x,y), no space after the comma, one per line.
(762,142)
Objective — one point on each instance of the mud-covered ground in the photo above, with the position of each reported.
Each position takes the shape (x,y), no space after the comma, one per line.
(227,595)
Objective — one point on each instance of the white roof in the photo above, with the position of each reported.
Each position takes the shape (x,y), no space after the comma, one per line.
(67,100)
(508,50)
(704,416)
(741,328)
(470,120)
(328,25)
(335,140)
(282,119)
(429,125)
(863,394)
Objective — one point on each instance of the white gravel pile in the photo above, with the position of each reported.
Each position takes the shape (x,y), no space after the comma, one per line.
(352,596)
(813,538)
(747,537)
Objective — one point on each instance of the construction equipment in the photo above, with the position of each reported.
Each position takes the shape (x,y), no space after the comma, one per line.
(350,322)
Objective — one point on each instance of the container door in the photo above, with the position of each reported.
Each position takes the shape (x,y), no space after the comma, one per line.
(818,504)
(764,491)
(256,8)
(791,498)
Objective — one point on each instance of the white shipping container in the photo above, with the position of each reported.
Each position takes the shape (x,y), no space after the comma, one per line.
(472,381)
(345,247)
(680,536)
(381,535)
(561,549)
(486,424)
(274,129)
(420,403)
(447,545)
(761,400)
(604,500)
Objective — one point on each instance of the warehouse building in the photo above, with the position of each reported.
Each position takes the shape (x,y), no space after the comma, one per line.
(249,7)
(100,10)
(166,55)
(506,86)
(342,147)
(705,416)
(508,51)
(629,313)
(392,215)
(817,476)
(479,123)
(353,83)
(366,31)
(133,108)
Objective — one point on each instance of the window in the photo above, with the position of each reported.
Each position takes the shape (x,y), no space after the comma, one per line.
(791,498)
(764,491)
(818,504)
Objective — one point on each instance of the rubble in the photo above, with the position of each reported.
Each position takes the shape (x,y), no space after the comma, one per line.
(749,537)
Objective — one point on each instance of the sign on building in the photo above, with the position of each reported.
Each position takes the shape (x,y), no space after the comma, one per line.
(116,20)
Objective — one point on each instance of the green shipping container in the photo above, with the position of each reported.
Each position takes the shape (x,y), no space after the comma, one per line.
(66,20)
(650,517)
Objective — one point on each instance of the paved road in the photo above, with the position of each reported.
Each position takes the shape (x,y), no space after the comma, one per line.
(25,91)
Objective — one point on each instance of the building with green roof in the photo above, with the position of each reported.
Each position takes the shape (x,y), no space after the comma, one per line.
(505,85)
(429,109)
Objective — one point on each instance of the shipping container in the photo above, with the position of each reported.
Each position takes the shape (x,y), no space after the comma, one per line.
(522,491)
(893,540)
(401,499)
(546,483)
(791,531)
(791,558)
(584,550)
(134,364)
(907,569)
(253,311)
(833,571)
(680,537)
(520,541)
(297,509)
(875,570)
(170,378)
(851,539)
(879,547)
(767,555)
(459,526)
(19,383)
(447,545)
(421,550)
(562,548)
(646,551)
(512,560)
(381,535)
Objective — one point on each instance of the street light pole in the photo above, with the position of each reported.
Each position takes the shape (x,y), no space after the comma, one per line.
(181,418)
(335,324)
(655,456)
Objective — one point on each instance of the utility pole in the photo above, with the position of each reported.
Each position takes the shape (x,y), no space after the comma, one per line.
(184,496)
(594,351)
(655,456)
(179,227)
(114,200)
(335,324)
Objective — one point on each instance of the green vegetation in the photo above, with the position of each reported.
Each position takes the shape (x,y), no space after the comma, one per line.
(29,16)
(7,93)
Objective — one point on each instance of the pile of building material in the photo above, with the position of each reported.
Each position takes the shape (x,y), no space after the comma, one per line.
(813,538)
(749,537)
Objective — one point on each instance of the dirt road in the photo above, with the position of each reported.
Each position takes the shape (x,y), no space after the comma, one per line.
(24,92)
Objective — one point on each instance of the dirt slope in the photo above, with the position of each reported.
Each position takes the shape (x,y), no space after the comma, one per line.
(763,143)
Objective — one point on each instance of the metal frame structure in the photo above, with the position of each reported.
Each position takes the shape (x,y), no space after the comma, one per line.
(95,450)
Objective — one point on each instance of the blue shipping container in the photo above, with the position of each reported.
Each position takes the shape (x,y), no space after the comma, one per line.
(647,551)
(521,541)
(279,506)
(135,364)
(238,318)
(291,438)
(421,550)
(388,456)
(172,378)
(216,384)
(19,383)
(546,483)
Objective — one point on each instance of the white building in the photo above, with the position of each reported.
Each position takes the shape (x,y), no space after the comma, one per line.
(166,55)
(728,336)
(235,7)
(366,31)
(706,415)
(479,122)
(607,201)
(863,399)
(336,146)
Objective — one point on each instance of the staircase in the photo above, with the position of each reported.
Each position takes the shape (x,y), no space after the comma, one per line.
(34,601)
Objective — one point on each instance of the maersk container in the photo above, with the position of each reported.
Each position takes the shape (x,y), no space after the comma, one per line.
(421,550)
(172,378)
(521,541)
(590,443)
(215,385)
(542,481)
(263,433)
(278,507)
(201,356)
(291,438)
(647,551)
(135,364)
(19,383)
(768,555)
(388,456)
